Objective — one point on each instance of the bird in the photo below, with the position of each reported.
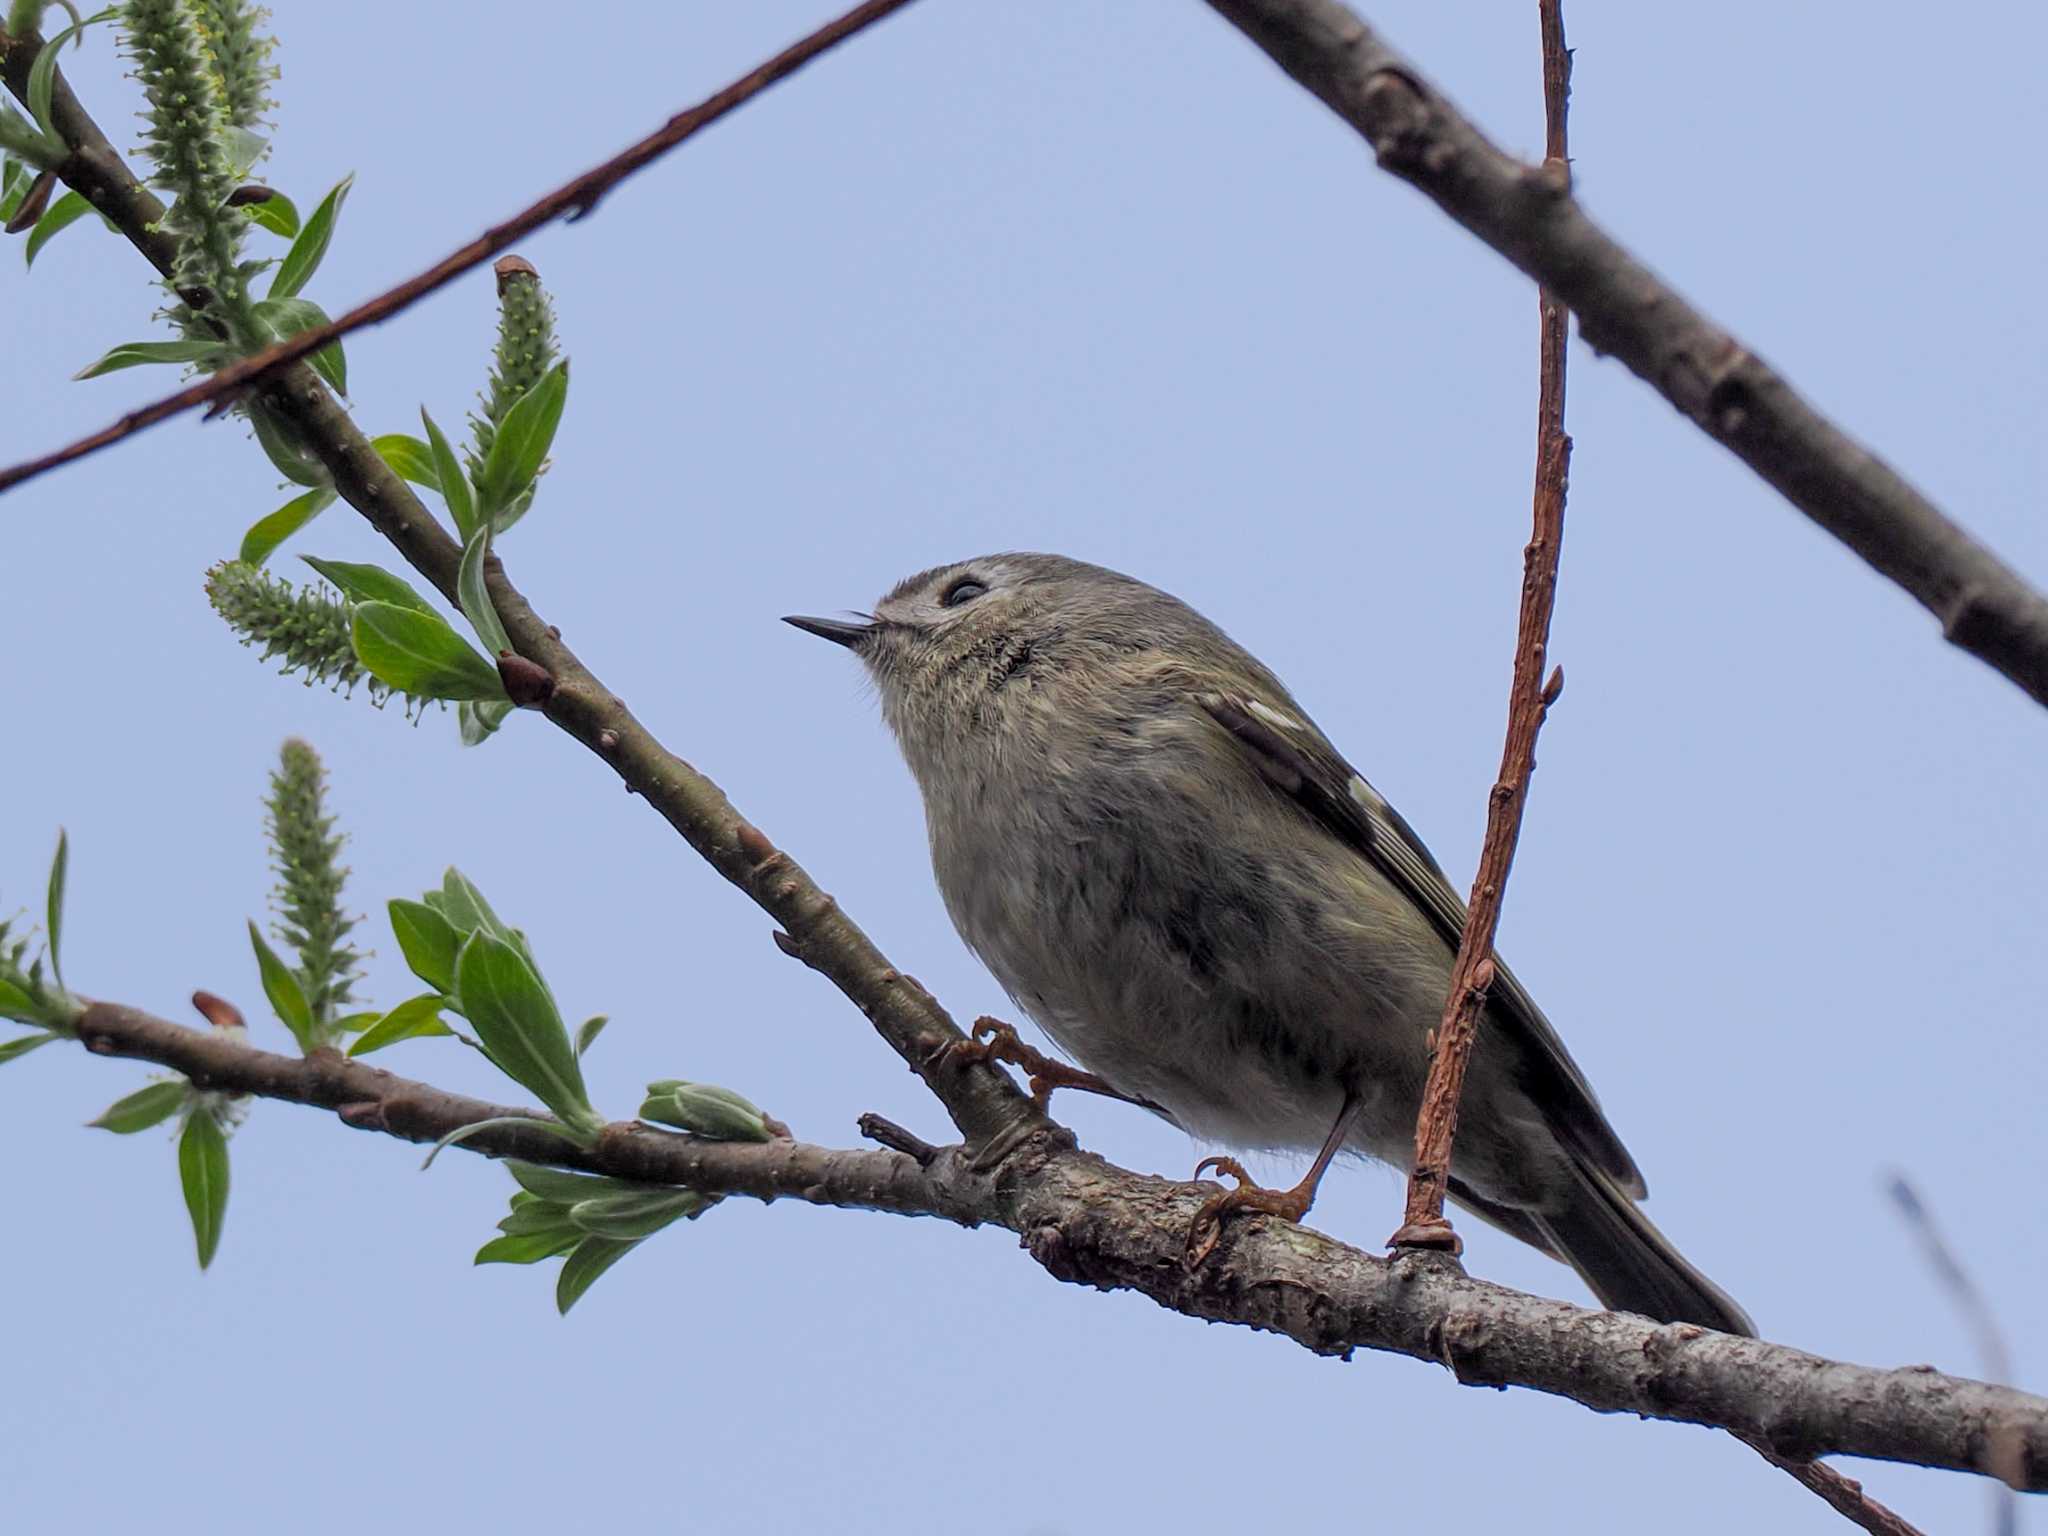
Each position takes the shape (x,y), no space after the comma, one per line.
(1175,875)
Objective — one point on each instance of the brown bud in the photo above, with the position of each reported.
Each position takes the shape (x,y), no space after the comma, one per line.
(506,268)
(218,1011)
(33,203)
(527,683)
(254,192)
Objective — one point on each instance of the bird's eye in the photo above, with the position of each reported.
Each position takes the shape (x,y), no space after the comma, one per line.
(965,590)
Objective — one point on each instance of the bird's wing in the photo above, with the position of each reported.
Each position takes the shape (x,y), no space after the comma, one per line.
(1296,759)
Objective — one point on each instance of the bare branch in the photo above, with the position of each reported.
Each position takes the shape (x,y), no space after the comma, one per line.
(572,200)
(1530,217)
(1423,1223)
(1091,1223)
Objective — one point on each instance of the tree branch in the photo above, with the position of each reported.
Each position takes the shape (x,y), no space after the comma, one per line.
(1423,1223)
(572,200)
(1530,217)
(984,1103)
(1089,1222)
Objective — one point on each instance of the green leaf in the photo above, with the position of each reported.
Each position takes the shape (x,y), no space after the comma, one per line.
(462,1133)
(561,1186)
(276,213)
(53,911)
(349,1023)
(42,78)
(369,584)
(285,318)
(479,722)
(410,456)
(536,1217)
(17,1005)
(244,148)
(266,533)
(303,259)
(142,1109)
(587,1035)
(203,1169)
(286,996)
(454,484)
(527,1250)
(640,1214)
(14,1049)
(281,446)
(705,1109)
(517,1022)
(60,215)
(464,906)
(414,1017)
(428,941)
(589,1259)
(476,600)
(133,354)
(420,653)
(521,443)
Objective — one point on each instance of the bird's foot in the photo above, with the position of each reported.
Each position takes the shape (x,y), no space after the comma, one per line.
(1288,1204)
(993,1040)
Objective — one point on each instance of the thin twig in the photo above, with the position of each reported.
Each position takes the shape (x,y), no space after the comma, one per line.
(1732,395)
(1423,1223)
(1992,1351)
(1842,1494)
(1088,1222)
(573,199)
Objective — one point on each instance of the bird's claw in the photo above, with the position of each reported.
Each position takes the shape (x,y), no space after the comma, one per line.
(1249,1197)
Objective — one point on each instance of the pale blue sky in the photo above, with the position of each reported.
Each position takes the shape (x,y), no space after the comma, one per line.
(1094,279)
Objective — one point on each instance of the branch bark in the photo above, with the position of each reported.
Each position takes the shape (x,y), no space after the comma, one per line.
(1089,1222)
(1624,308)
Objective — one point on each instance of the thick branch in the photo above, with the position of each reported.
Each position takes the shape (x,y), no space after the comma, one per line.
(1091,1223)
(573,200)
(1530,217)
(983,1102)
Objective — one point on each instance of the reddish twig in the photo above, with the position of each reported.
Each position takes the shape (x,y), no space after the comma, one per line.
(573,199)
(1842,1494)
(1423,1223)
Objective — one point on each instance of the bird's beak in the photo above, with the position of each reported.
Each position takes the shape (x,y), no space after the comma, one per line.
(838,631)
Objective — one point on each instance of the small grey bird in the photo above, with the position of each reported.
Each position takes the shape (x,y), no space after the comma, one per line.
(1173,872)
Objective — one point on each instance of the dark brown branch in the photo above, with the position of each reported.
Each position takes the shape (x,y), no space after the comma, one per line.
(1091,1223)
(985,1105)
(1423,1223)
(1529,215)
(572,200)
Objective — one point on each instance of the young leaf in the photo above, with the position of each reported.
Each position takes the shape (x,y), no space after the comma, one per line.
(15,1049)
(53,911)
(589,1259)
(276,213)
(704,1109)
(132,354)
(563,1187)
(454,484)
(369,583)
(518,1024)
(42,77)
(60,215)
(428,941)
(411,457)
(527,1250)
(289,317)
(17,1005)
(303,259)
(535,1217)
(419,653)
(465,907)
(142,1109)
(266,533)
(414,1017)
(281,446)
(479,722)
(521,443)
(476,600)
(287,998)
(587,1035)
(640,1214)
(203,1170)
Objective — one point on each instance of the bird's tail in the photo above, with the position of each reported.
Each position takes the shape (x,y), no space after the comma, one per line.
(1630,1265)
